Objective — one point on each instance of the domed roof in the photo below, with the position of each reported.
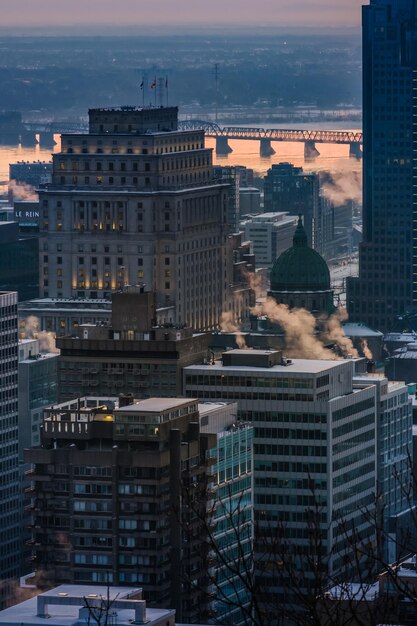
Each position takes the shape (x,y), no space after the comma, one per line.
(300,268)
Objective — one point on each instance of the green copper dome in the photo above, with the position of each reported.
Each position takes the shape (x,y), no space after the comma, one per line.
(300,268)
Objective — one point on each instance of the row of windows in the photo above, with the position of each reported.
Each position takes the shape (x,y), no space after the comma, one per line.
(355,491)
(354,425)
(353,409)
(223,380)
(295,483)
(210,394)
(288,500)
(290,433)
(283,417)
(289,450)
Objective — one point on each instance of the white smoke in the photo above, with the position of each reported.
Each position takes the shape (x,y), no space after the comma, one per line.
(22,191)
(32,330)
(343,186)
(228,325)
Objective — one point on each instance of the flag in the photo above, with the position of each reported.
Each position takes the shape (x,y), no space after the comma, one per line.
(166,82)
(153,84)
(141,85)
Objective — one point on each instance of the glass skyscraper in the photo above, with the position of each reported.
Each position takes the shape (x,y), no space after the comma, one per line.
(387,285)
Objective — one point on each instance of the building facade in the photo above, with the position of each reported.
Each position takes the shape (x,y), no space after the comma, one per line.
(269,234)
(311,427)
(131,354)
(10,503)
(18,262)
(289,188)
(134,201)
(38,387)
(232,511)
(109,503)
(387,285)
(394,460)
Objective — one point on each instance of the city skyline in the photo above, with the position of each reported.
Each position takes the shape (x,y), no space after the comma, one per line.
(301,13)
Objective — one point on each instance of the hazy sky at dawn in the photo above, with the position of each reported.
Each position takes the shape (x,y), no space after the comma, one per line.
(269,12)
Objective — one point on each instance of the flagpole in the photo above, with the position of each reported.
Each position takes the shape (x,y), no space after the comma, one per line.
(166,88)
(143,92)
(155,89)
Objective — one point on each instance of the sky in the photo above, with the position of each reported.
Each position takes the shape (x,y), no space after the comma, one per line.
(295,13)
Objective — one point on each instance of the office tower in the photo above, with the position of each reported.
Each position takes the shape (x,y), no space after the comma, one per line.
(10,503)
(109,505)
(231,175)
(314,441)
(232,515)
(269,234)
(289,188)
(134,202)
(250,201)
(394,465)
(18,261)
(387,283)
(38,387)
(132,354)
(30,173)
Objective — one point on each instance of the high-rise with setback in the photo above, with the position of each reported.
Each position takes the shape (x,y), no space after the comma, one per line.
(134,202)
(387,285)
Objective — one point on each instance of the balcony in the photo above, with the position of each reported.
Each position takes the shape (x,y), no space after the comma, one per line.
(78,429)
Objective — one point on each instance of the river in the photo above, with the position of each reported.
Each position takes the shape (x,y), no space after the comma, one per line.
(333,157)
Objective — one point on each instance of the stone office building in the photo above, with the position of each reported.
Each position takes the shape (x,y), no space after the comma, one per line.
(134,202)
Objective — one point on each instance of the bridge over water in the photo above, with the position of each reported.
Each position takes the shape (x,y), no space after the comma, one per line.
(265,136)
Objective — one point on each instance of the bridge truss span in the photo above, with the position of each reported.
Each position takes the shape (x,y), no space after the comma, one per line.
(274,134)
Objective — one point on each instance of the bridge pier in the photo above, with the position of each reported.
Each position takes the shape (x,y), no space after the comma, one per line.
(310,150)
(222,145)
(46,138)
(355,150)
(266,149)
(28,138)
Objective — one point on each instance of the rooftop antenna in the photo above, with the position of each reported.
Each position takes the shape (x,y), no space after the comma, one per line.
(161,87)
(142,88)
(216,80)
(153,86)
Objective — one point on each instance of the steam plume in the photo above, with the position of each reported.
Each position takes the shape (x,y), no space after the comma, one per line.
(22,191)
(342,186)
(228,325)
(367,352)
(32,331)
(335,332)
(257,282)
(299,326)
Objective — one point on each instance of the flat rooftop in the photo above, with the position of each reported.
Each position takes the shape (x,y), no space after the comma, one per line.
(26,613)
(155,405)
(299,366)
